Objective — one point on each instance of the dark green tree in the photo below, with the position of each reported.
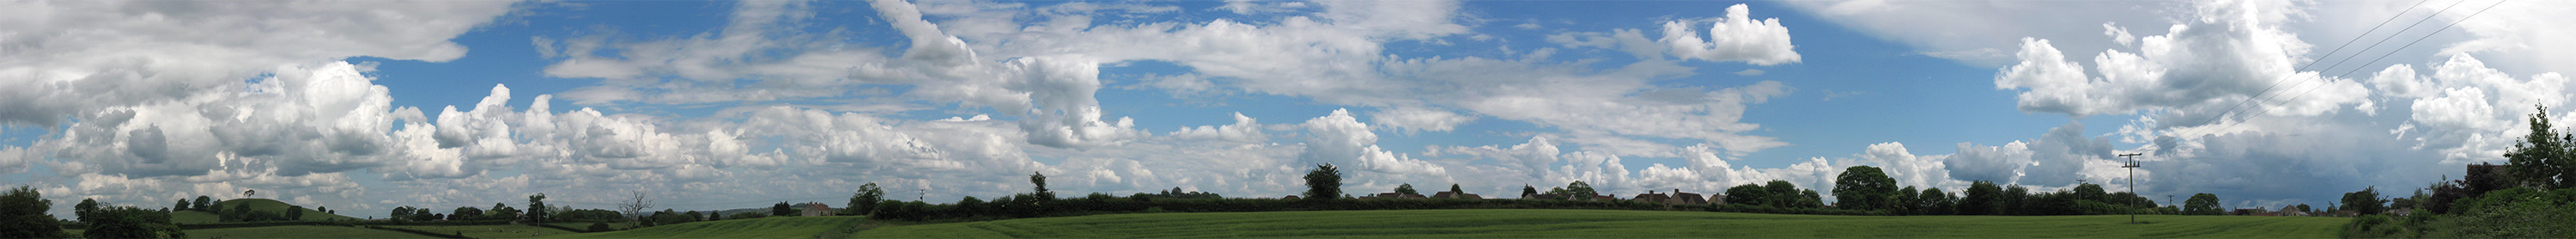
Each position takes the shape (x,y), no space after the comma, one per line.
(781,209)
(22,215)
(400,213)
(203,203)
(537,211)
(1323,183)
(1747,194)
(464,213)
(2090,192)
(2366,201)
(1935,202)
(294,212)
(865,200)
(130,222)
(2016,200)
(2543,159)
(1984,198)
(181,206)
(1907,201)
(1865,188)
(1580,189)
(1453,188)
(1812,200)
(1781,193)
(1528,190)
(2202,204)
(1040,180)
(1406,189)
(83,210)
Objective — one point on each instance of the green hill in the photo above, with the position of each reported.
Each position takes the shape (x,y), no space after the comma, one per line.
(299,232)
(256,204)
(767,227)
(1539,223)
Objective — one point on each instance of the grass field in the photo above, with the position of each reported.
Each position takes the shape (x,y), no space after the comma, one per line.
(769,227)
(491,231)
(256,204)
(1612,224)
(298,232)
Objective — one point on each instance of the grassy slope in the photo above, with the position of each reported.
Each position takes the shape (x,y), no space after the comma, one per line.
(770,227)
(1610,224)
(256,204)
(491,231)
(299,232)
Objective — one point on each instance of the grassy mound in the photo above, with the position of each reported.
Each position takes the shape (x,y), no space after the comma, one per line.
(1542,223)
(299,232)
(768,227)
(256,204)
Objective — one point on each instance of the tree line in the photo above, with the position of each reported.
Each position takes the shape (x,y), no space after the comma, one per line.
(2533,195)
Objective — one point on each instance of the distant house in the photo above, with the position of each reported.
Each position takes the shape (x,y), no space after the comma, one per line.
(2402,212)
(1716,198)
(1650,196)
(1393,196)
(816,209)
(2292,211)
(1683,198)
(1457,195)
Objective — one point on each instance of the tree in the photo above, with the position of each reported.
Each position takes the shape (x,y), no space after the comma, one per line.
(1406,189)
(1747,194)
(695,216)
(202,202)
(294,212)
(1453,188)
(537,210)
(1580,189)
(130,222)
(1323,183)
(2015,201)
(22,215)
(2543,158)
(2366,201)
(81,211)
(1935,202)
(865,200)
(1040,180)
(323,210)
(1907,201)
(1984,198)
(634,207)
(1781,193)
(1812,200)
(501,212)
(464,213)
(2303,207)
(1527,190)
(181,206)
(2201,204)
(400,213)
(2090,192)
(781,209)
(1865,188)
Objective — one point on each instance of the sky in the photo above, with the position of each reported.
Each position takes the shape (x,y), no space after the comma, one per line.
(363,106)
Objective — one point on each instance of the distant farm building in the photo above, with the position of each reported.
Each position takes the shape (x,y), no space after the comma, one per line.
(1457,195)
(816,209)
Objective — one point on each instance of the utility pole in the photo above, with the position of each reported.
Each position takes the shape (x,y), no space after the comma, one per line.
(2133,183)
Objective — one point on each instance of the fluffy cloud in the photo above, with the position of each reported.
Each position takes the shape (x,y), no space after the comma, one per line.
(1737,37)
(1244,130)
(1409,120)
(1341,139)
(2234,53)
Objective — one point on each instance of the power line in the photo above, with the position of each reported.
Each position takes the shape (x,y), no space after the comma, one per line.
(2259,100)
(2302,94)
(2338,49)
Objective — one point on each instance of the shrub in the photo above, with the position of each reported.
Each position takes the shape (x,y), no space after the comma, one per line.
(599,227)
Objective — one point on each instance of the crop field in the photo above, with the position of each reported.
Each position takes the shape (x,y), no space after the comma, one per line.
(1527,223)
(299,232)
(490,231)
(768,227)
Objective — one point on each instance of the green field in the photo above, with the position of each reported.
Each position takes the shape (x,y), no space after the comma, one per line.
(491,231)
(299,232)
(1527,223)
(769,227)
(256,204)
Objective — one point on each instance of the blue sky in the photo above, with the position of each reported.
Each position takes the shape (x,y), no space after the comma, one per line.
(733,104)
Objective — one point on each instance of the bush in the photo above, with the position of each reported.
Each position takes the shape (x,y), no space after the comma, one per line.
(599,227)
